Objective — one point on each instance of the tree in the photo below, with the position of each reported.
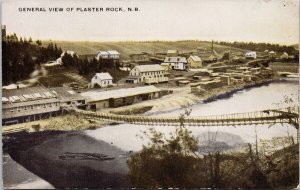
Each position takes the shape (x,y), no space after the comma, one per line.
(167,162)
(39,42)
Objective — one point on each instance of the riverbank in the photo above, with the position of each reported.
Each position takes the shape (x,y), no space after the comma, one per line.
(183,97)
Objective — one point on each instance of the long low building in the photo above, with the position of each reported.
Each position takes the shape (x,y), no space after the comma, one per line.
(28,104)
(120,97)
(35,103)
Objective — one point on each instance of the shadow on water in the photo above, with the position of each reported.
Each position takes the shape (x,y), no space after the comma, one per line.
(69,159)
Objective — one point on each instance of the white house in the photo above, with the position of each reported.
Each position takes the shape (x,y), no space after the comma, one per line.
(178,63)
(250,55)
(113,54)
(102,55)
(147,73)
(102,79)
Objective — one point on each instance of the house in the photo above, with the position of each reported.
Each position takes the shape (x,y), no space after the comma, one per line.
(272,54)
(102,55)
(250,55)
(284,55)
(178,63)
(147,73)
(194,62)
(102,79)
(28,104)
(113,54)
(172,53)
(120,97)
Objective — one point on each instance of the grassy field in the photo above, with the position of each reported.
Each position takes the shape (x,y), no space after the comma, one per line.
(127,48)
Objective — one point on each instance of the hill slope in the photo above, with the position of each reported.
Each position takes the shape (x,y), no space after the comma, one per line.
(127,48)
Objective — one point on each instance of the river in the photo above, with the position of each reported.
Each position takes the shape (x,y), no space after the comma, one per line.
(259,98)
(50,155)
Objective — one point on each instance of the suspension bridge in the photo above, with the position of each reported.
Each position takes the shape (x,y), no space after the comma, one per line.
(249,118)
(270,117)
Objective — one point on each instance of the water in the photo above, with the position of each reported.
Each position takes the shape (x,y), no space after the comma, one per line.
(125,136)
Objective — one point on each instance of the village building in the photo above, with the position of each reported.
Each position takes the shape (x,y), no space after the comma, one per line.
(272,54)
(284,55)
(120,97)
(147,73)
(250,55)
(172,53)
(102,80)
(28,104)
(110,54)
(68,98)
(177,63)
(113,54)
(194,62)
(102,55)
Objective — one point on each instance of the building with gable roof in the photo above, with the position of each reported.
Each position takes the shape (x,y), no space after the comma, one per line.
(147,73)
(194,62)
(102,79)
(177,63)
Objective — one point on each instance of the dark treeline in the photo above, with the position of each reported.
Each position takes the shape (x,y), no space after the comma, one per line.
(86,66)
(261,47)
(21,55)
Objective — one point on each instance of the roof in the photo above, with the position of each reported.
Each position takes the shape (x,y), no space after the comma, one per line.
(66,94)
(113,52)
(102,53)
(104,76)
(149,68)
(195,58)
(175,60)
(27,96)
(94,96)
(172,51)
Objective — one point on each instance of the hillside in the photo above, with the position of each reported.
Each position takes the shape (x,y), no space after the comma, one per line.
(127,48)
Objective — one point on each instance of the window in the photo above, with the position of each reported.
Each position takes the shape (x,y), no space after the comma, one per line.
(31,107)
(95,77)
(44,106)
(12,110)
(25,108)
(18,109)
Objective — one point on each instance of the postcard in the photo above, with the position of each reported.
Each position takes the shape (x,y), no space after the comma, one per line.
(150,94)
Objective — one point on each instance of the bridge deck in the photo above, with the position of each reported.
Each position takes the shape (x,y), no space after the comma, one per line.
(249,118)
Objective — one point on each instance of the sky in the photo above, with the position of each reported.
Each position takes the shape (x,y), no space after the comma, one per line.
(273,21)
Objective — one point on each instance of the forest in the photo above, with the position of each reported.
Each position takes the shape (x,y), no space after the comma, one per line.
(261,47)
(20,57)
